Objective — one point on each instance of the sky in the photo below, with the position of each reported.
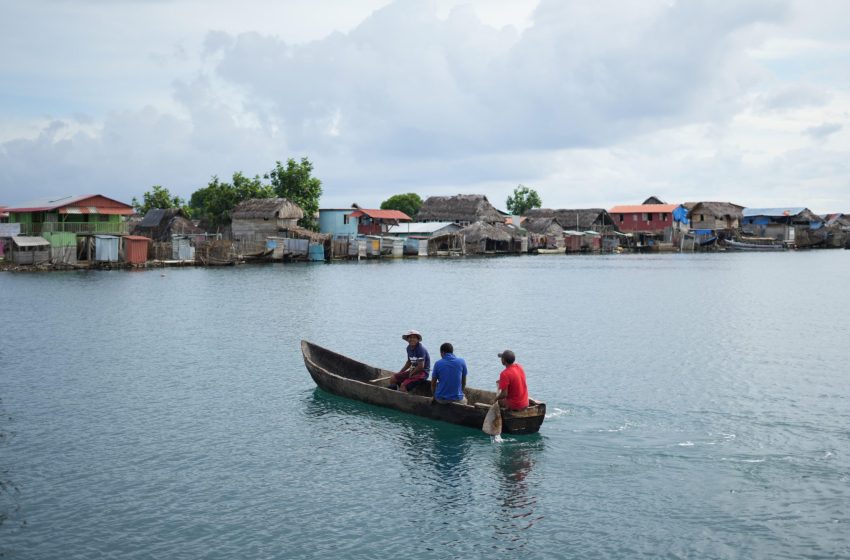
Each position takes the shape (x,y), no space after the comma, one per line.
(591,103)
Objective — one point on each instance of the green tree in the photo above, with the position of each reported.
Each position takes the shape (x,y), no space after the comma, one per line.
(216,201)
(408,203)
(523,200)
(296,183)
(247,188)
(158,197)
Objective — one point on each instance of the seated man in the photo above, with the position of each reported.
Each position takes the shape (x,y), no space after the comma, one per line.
(417,366)
(513,392)
(449,378)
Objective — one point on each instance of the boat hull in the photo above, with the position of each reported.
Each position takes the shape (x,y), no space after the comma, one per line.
(342,376)
(742,246)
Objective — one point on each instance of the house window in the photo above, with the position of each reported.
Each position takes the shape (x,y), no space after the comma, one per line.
(702,217)
(662,217)
(345,218)
(634,217)
(621,218)
(647,217)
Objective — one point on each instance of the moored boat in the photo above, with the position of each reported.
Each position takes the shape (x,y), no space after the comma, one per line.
(754,244)
(349,378)
(550,251)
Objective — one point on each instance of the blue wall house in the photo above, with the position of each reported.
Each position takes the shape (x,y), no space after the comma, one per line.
(350,222)
(338,222)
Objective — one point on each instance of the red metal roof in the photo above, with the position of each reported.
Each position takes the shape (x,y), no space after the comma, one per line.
(381,214)
(137,238)
(643,208)
(85,204)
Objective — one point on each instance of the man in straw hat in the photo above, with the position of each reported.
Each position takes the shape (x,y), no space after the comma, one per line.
(417,366)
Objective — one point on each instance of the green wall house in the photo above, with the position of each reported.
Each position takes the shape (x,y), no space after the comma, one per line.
(87,214)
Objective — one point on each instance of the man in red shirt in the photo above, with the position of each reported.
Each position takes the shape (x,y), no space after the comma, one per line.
(513,392)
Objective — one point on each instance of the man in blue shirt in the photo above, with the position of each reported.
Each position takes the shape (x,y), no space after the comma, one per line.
(417,366)
(449,378)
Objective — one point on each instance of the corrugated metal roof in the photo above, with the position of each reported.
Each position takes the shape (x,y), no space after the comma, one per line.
(420,227)
(27,241)
(97,210)
(137,238)
(42,204)
(381,214)
(643,208)
(152,218)
(775,212)
(69,205)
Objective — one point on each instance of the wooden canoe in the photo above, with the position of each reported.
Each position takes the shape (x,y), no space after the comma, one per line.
(349,378)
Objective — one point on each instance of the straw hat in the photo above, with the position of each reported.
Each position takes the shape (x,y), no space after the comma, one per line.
(412,333)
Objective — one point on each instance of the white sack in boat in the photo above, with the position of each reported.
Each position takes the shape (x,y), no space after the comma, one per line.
(493,421)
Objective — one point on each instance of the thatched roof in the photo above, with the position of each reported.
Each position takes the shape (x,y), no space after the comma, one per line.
(654,200)
(460,208)
(267,208)
(543,226)
(481,230)
(716,209)
(842,220)
(577,220)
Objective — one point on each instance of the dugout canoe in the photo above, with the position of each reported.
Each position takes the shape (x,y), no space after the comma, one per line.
(343,376)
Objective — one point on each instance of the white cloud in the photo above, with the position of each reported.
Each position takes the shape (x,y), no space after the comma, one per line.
(822,131)
(592,103)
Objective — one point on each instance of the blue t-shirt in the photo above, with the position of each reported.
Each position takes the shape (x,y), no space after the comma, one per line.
(448,372)
(418,354)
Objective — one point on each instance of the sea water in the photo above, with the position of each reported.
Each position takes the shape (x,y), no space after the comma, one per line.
(698,407)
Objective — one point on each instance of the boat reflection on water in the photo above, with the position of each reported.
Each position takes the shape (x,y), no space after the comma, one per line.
(517,492)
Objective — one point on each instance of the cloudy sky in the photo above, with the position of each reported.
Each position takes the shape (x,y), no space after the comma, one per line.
(592,103)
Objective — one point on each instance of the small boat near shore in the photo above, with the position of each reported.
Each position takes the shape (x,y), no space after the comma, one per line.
(754,244)
(550,251)
(343,376)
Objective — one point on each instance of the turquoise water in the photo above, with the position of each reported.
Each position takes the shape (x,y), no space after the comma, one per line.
(699,407)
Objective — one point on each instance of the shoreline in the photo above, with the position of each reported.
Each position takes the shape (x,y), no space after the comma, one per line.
(7,266)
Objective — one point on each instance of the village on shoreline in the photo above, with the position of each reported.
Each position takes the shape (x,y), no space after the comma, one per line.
(95,231)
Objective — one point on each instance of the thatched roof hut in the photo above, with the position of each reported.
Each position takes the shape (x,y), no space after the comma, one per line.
(462,208)
(482,237)
(544,233)
(267,209)
(587,219)
(257,218)
(159,224)
(543,226)
(708,215)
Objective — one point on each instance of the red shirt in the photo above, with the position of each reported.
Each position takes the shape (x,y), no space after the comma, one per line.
(512,379)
